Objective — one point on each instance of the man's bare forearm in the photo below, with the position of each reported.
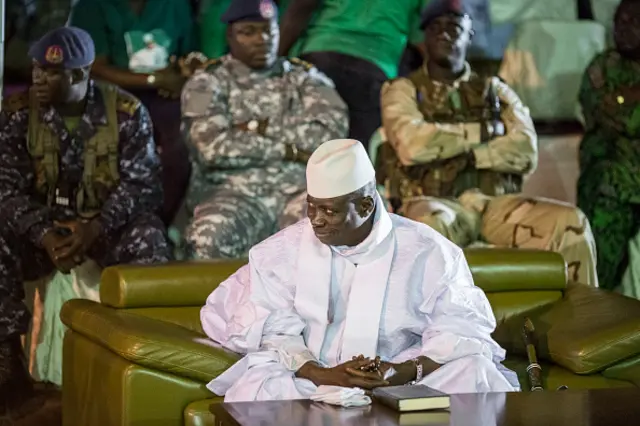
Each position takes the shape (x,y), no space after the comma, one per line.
(294,23)
(309,371)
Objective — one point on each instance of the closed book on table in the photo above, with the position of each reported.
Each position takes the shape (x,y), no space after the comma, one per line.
(412,398)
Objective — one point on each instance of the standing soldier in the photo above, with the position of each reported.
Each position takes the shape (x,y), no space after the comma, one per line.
(251,120)
(359,44)
(609,182)
(459,148)
(79,178)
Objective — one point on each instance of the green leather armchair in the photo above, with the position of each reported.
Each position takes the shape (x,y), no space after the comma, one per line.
(141,358)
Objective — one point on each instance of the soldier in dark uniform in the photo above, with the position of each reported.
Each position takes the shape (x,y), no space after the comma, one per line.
(79,177)
(460,146)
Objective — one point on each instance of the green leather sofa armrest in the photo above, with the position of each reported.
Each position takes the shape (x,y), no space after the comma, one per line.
(172,284)
(497,270)
(587,331)
(198,413)
(148,342)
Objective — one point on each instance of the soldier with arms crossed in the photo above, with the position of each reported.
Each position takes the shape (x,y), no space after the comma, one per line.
(459,149)
(251,120)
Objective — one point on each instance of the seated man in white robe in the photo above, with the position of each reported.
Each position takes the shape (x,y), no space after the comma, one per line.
(353,280)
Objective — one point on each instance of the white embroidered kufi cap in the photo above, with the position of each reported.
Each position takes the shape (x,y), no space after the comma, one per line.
(338,167)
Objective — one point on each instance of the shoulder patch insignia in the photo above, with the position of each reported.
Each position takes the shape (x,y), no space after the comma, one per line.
(127,103)
(211,64)
(304,64)
(16,102)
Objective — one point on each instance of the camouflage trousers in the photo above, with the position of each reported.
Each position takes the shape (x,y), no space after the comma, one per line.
(230,223)
(143,241)
(514,221)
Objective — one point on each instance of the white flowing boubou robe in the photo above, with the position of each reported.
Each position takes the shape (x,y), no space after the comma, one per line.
(405,291)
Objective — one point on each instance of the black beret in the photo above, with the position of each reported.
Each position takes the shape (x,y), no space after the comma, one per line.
(250,10)
(66,47)
(438,8)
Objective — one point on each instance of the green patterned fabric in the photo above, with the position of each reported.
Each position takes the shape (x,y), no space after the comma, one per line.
(609,183)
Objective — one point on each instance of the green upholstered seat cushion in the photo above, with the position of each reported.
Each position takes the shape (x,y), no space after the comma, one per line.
(587,331)
(148,342)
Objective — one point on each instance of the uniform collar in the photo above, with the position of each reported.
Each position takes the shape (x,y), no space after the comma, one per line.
(239,69)
(95,110)
(95,114)
(464,77)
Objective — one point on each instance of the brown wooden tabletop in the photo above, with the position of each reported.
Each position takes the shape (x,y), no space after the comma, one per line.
(589,408)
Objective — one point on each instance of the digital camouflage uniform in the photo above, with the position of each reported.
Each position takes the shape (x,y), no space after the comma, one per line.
(442,168)
(241,189)
(609,183)
(125,203)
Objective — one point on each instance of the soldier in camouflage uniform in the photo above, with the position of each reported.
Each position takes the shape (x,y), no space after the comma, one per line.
(609,183)
(459,148)
(79,178)
(251,120)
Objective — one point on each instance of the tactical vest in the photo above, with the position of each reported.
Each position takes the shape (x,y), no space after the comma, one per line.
(100,175)
(449,177)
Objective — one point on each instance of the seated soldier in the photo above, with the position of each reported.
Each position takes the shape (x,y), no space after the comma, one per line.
(459,148)
(251,120)
(79,178)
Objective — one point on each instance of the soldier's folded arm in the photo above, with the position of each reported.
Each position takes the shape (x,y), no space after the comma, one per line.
(219,142)
(516,151)
(17,180)
(415,140)
(323,114)
(140,189)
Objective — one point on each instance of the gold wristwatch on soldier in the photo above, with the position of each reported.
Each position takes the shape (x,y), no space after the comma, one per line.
(291,152)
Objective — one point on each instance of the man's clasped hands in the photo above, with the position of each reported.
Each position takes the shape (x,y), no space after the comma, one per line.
(67,243)
(360,372)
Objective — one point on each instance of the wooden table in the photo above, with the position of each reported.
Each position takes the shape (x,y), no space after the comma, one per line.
(589,408)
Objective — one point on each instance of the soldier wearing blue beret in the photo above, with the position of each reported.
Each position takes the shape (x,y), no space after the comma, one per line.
(246,18)
(251,120)
(463,143)
(80,179)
